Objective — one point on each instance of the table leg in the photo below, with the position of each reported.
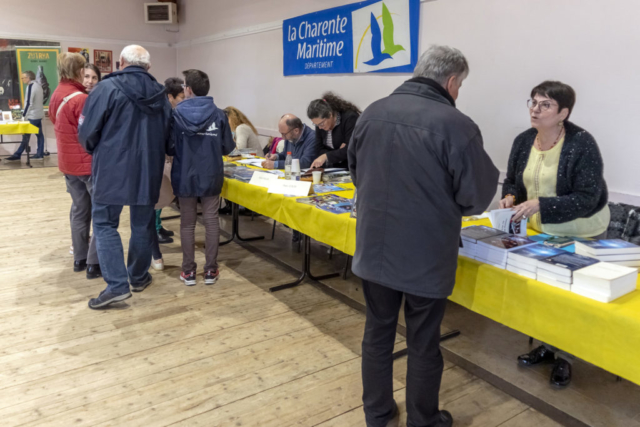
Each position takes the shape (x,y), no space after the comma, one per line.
(235,225)
(306,269)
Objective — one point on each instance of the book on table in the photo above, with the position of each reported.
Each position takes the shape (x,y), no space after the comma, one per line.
(494,250)
(564,265)
(607,247)
(470,236)
(604,281)
(502,219)
(326,188)
(562,282)
(522,272)
(529,257)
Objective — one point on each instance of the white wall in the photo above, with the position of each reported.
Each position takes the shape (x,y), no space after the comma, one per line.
(511,45)
(106,25)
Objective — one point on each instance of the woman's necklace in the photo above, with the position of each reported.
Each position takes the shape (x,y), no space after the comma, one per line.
(554,144)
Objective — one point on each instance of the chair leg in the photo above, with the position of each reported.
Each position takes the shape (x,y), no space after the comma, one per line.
(530,340)
(273,231)
(331,252)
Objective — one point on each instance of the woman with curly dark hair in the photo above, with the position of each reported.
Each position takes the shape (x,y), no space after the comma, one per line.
(335,120)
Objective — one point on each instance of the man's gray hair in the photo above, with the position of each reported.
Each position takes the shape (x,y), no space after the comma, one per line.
(440,63)
(136,55)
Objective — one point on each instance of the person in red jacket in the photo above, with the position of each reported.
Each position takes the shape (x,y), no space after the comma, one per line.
(65,109)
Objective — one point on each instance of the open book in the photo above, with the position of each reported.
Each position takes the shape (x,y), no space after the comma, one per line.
(501,219)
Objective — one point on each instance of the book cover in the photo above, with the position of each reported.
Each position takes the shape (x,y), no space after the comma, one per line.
(326,198)
(326,188)
(478,232)
(506,242)
(607,247)
(502,219)
(339,208)
(534,253)
(567,263)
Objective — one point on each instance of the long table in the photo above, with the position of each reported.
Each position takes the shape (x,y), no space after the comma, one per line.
(18,128)
(606,335)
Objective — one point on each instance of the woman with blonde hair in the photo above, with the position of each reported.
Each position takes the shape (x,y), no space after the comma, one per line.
(244,133)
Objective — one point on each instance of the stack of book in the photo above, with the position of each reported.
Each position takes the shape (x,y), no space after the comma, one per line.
(604,281)
(615,251)
(471,235)
(525,261)
(494,250)
(558,270)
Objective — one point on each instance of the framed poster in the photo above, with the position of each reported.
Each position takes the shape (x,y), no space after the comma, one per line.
(103,60)
(84,51)
(42,61)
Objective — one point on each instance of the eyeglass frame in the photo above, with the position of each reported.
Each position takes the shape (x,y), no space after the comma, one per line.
(284,135)
(534,103)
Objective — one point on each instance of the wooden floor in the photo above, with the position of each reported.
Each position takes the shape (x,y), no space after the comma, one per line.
(227,355)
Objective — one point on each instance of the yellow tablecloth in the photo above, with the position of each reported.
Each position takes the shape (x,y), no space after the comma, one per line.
(607,335)
(17,128)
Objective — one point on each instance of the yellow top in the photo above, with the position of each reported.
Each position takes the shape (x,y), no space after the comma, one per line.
(540,179)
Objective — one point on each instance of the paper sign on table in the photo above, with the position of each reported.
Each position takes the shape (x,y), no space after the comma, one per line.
(263,179)
(290,188)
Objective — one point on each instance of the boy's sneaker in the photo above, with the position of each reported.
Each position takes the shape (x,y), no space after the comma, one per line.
(105,298)
(189,278)
(157,264)
(211,277)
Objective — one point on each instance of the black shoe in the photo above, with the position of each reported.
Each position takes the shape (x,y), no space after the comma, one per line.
(93,271)
(295,238)
(164,239)
(37,158)
(535,356)
(446,419)
(225,211)
(105,298)
(79,266)
(46,153)
(143,286)
(12,159)
(165,232)
(561,373)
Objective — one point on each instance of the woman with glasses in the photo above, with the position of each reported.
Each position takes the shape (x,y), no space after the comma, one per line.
(335,120)
(555,179)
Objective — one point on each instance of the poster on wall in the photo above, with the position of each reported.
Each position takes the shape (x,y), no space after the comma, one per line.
(9,77)
(366,37)
(84,51)
(103,60)
(43,62)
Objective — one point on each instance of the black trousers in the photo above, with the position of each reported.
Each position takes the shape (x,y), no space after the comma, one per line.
(424,371)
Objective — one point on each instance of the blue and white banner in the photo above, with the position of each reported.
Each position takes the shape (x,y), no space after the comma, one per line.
(365,37)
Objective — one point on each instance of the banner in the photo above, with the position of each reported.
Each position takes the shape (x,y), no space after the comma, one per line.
(365,37)
(43,63)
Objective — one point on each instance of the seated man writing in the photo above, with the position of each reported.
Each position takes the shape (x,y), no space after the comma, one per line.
(300,141)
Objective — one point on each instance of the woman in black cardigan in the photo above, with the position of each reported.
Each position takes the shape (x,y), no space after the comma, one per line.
(555,178)
(335,120)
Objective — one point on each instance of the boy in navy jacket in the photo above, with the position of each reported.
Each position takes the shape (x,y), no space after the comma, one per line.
(201,136)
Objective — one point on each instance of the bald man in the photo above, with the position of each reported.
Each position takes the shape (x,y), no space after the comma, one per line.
(300,140)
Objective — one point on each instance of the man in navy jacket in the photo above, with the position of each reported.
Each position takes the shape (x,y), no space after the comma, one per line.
(300,140)
(125,124)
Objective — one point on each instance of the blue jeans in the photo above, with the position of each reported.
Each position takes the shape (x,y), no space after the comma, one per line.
(27,136)
(106,219)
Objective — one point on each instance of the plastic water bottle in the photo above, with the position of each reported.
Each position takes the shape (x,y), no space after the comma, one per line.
(287,165)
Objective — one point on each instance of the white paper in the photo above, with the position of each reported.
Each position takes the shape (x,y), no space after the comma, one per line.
(501,220)
(262,179)
(290,188)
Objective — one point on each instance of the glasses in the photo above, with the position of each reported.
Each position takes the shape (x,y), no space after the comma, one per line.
(284,135)
(544,105)
(183,86)
(321,124)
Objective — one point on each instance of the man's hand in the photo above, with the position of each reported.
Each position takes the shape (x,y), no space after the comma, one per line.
(268,164)
(319,162)
(271,157)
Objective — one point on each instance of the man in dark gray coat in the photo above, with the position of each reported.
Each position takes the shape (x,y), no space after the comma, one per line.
(419,166)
